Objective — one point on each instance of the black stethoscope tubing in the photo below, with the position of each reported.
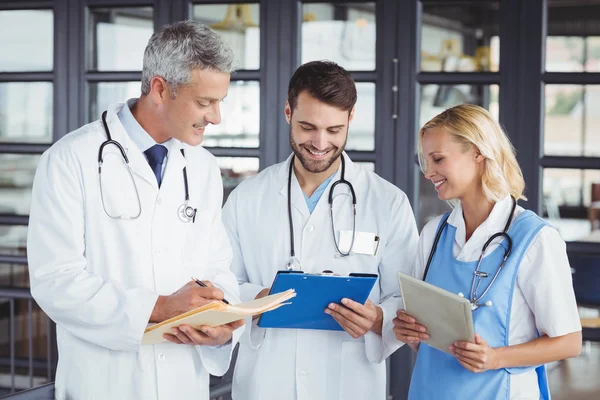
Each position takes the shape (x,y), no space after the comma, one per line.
(507,251)
(188,211)
(342,180)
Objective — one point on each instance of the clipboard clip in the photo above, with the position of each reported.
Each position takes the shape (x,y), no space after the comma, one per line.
(328,272)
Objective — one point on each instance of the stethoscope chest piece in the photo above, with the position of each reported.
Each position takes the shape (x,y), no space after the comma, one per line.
(186,213)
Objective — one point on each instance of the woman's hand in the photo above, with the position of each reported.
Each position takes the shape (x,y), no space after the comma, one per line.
(408,331)
(476,357)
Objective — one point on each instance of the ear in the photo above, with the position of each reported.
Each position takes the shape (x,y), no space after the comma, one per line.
(159,89)
(479,157)
(351,114)
(288,112)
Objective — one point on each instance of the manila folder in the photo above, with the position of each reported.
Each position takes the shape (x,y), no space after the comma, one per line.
(216,313)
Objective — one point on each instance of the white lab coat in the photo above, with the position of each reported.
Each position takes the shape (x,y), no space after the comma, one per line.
(99,278)
(310,364)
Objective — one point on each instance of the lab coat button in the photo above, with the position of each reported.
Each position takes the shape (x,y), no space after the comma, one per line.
(311,228)
(158,252)
(161,356)
(159,201)
(303,373)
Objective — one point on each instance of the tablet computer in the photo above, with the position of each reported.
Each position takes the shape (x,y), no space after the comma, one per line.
(447,316)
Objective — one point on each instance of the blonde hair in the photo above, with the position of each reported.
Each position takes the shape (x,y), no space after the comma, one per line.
(473,127)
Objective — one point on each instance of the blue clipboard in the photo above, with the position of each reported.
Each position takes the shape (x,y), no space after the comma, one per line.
(314,292)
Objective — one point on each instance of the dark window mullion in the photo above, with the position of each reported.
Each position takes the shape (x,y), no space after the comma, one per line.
(245,75)
(26,76)
(571,78)
(119,3)
(364,76)
(23,148)
(570,162)
(26,5)
(14,219)
(233,151)
(116,76)
(457,78)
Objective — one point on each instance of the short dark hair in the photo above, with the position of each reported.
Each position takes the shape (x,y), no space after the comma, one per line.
(326,81)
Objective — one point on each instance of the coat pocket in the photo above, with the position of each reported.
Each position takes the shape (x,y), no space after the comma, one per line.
(360,379)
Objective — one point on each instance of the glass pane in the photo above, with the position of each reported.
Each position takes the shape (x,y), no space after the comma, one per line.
(434,100)
(437,98)
(572,120)
(460,36)
(340,32)
(13,238)
(26,110)
(361,134)
(104,94)
(571,202)
(238,25)
(564,54)
(234,170)
(240,118)
(117,38)
(573,42)
(16,178)
(30,43)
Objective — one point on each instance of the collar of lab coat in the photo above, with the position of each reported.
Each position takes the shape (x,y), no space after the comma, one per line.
(298,200)
(138,163)
(494,223)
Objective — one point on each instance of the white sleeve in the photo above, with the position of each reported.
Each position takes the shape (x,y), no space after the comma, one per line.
(248,291)
(88,306)
(545,279)
(399,255)
(216,268)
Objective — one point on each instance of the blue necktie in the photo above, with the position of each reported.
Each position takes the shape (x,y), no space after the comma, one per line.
(156,155)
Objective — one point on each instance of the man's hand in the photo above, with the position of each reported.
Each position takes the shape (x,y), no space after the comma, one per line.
(355,318)
(263,293)
(408,331)
(205,335)
(187,298)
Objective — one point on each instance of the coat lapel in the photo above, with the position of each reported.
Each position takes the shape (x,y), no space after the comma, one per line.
(297,198)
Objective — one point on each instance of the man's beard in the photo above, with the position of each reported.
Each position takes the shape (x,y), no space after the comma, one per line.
(315,166)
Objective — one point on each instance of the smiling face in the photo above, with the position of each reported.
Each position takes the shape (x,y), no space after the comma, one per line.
(195,106)
(318,132)
(454,169)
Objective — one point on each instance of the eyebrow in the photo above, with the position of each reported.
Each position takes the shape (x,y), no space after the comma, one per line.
(433,152)
(211,98)
(314,126)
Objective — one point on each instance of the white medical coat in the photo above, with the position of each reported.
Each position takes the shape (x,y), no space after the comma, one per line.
(99,278)
(309,364)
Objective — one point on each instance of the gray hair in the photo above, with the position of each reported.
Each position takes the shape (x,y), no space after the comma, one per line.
(175,50)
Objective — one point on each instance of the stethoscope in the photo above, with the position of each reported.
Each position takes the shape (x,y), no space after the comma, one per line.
(294,263)
(185,212)
(477,274)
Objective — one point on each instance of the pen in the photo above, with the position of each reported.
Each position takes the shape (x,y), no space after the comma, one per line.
(199,282)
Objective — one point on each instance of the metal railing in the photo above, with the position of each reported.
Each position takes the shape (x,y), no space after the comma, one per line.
(37,369)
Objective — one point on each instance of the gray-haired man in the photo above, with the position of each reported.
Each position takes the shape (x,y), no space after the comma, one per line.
(112,249)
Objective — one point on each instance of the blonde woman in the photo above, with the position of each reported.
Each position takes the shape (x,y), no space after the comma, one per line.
(528,316)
